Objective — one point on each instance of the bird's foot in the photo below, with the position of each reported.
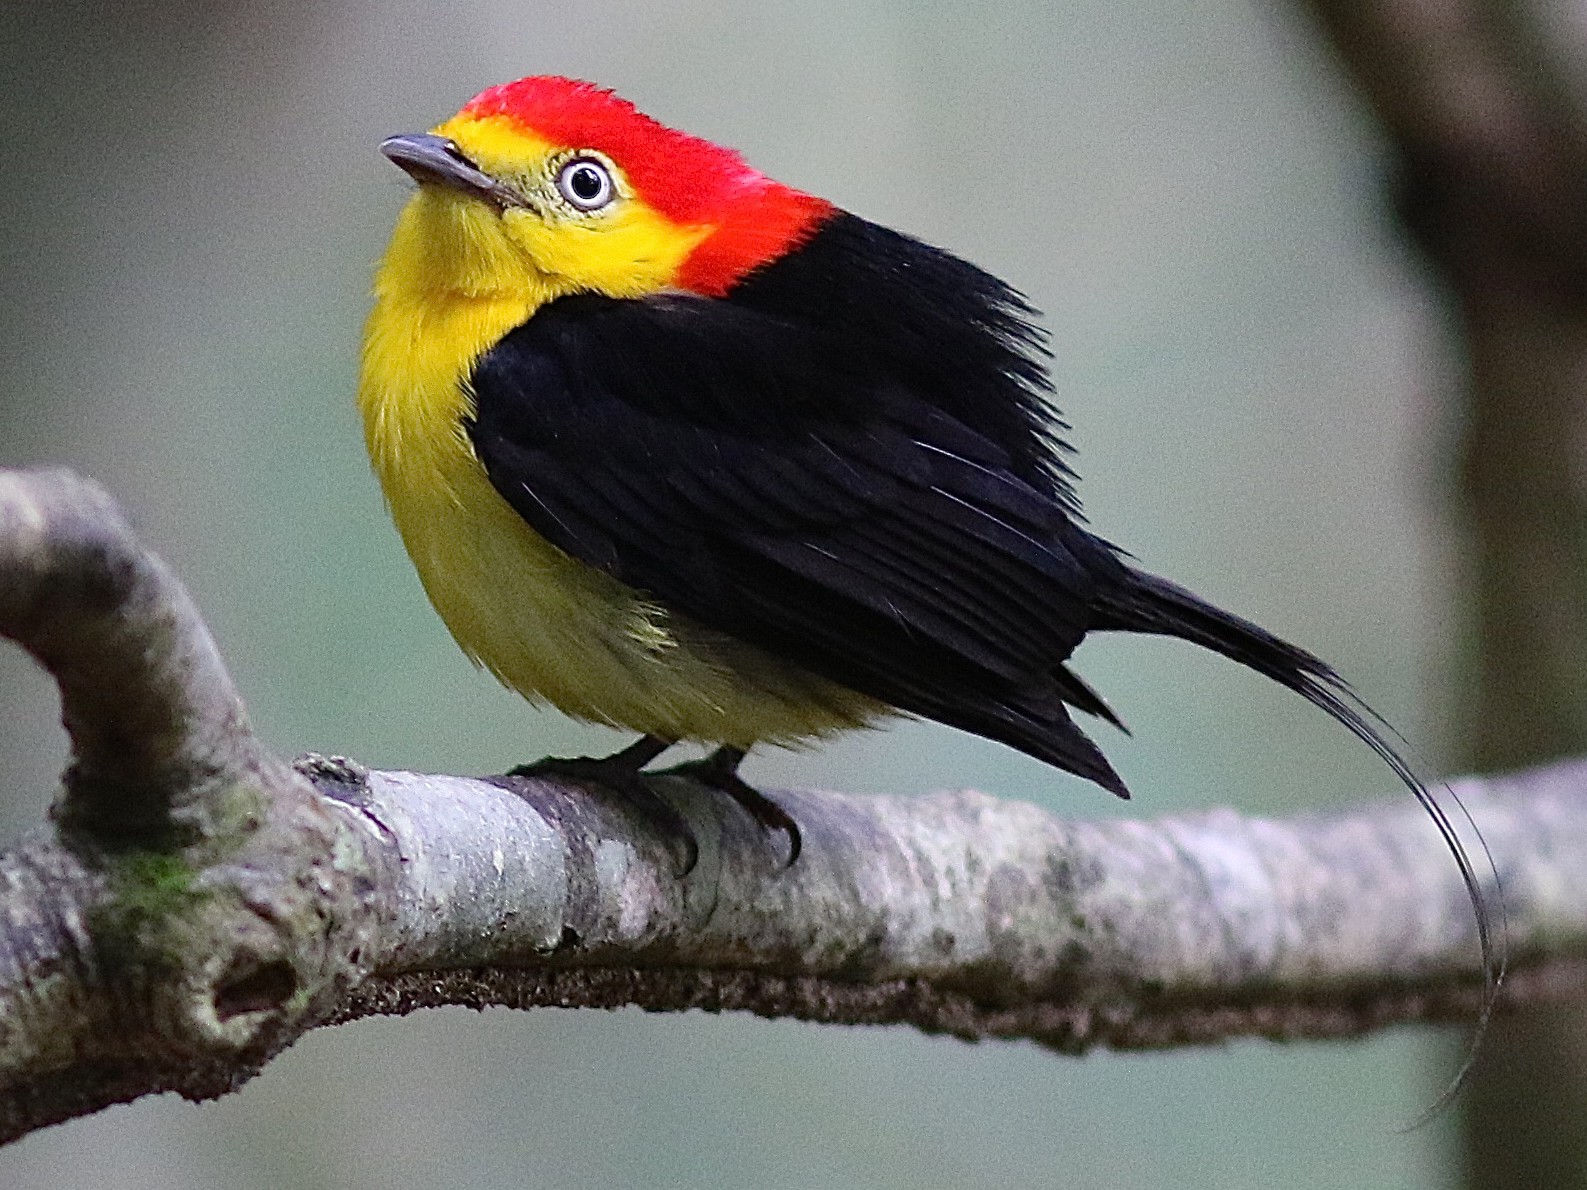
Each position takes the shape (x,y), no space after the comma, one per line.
(719,771)
(621,773)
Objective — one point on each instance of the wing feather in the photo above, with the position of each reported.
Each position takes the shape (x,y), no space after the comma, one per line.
(755,472)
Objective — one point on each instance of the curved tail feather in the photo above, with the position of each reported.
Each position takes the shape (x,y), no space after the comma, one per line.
(1146,603)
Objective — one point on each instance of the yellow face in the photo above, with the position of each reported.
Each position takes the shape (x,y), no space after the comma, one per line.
(572,222)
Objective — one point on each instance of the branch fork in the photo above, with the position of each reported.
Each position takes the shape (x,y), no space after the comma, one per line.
(196,904)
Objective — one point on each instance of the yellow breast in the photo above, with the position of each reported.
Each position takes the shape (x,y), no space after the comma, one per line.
(547,625)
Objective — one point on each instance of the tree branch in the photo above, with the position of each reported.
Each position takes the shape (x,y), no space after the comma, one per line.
(246,901)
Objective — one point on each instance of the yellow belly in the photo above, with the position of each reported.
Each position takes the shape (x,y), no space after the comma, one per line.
(547,625)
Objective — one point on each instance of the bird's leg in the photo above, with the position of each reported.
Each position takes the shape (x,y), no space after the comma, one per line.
(719,771)
(622,773)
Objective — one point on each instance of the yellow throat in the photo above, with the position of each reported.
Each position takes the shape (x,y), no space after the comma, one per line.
(455,280)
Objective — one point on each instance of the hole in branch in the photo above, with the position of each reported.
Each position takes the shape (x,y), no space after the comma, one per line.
(254,987)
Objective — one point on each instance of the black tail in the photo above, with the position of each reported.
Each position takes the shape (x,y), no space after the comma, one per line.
(1146,603)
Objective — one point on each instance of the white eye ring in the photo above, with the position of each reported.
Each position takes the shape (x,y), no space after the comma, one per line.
(586,184)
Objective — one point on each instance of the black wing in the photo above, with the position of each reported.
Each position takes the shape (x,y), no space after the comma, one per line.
(765,471)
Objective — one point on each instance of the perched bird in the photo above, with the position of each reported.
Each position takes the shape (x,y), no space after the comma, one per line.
(680,449)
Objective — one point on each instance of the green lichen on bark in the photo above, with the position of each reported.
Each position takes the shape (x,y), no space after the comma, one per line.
(150,896)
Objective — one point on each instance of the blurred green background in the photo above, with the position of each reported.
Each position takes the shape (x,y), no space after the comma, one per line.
(192,204)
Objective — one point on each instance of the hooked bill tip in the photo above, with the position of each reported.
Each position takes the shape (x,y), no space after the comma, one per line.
(426,157)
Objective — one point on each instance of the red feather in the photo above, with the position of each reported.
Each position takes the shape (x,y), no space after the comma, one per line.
(689,180)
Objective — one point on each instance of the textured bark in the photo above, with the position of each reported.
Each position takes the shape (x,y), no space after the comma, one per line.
(248,901)
(1487,106)
(964,914)
(195,898)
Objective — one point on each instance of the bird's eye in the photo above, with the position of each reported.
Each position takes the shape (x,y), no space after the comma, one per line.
(586,184)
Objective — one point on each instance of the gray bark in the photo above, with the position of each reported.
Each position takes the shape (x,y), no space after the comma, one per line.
(196,905)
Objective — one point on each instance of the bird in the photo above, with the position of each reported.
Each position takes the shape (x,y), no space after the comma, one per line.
(680,449)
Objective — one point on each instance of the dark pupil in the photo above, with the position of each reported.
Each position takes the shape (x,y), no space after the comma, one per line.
(586,183)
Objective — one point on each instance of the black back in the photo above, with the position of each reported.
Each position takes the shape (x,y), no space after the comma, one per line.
(849,461)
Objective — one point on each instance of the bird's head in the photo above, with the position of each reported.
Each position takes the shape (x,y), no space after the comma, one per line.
(564,187)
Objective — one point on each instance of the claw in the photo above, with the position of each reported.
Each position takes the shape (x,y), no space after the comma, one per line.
(719,771)
(621,773)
